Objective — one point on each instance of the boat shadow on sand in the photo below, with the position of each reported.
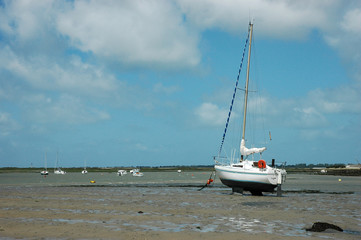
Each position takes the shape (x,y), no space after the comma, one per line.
(284,193)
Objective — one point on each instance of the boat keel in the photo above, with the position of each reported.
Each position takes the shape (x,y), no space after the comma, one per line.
(255,188)
(256,193)
(237,190)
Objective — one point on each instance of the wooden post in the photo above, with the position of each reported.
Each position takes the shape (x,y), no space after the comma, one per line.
(279,184)
(279,190)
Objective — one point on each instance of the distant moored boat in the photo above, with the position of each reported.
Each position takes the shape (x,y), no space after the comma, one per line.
(57,169)
(45,171)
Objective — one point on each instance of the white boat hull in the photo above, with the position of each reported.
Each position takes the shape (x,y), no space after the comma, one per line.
(137,174)
(121,172)
(253,179)
(59,172)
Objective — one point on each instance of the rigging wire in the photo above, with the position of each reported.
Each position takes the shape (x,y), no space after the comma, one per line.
(234,95)
(257,126)
(213,174)
(260,101)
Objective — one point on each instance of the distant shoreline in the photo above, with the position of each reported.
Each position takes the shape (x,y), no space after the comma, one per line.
(312,171)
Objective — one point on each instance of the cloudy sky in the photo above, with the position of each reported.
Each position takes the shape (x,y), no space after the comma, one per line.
(126,83)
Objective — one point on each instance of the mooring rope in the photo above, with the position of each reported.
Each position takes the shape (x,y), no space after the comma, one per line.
(209,181)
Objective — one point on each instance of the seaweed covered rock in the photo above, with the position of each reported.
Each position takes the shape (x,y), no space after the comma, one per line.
(322,226)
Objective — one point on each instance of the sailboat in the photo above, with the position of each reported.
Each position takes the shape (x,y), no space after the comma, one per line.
(136,172)
(84,170)
(121,172)
(45,171)
(243,173)
(57,169)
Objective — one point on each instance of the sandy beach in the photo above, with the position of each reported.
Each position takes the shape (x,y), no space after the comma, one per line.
(66,212)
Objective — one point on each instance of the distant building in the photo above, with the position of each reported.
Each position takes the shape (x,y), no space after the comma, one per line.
(353,166)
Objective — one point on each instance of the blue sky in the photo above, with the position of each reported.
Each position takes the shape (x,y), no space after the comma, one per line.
(126,83)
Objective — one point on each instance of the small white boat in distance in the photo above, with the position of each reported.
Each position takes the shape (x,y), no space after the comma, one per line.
(57,169)
(45,171)
(179,171)
(84,171)
(137,174)
(121,172)
(134,170)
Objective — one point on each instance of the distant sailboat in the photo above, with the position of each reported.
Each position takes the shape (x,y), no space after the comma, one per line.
(45,171)
(84,170)
(121,172)
(245,174)
(57,169)
(136,173)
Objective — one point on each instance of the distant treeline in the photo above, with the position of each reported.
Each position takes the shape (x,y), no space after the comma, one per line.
(300,166)
(331,169)
(113,169)
(184,167)
(320,165)
(319,169)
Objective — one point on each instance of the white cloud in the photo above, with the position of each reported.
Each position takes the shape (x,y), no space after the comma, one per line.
(210,114)
(320,113)
(131,32)
(25,19)
(79,85)
(286,19)
(307,117)
(165,34)
(337,21)
(65,109)
(160,88)
(317,110)
(351,22)
(314,133)
(7,124)
(46,74)
(341,100)
(346,37)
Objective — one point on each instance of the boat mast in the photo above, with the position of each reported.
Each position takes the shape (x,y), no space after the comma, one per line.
(247,80)
(56,166)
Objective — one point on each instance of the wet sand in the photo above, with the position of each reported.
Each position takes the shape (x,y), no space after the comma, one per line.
(58,212)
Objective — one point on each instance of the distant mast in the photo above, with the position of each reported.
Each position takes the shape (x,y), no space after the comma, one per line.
(247,80)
